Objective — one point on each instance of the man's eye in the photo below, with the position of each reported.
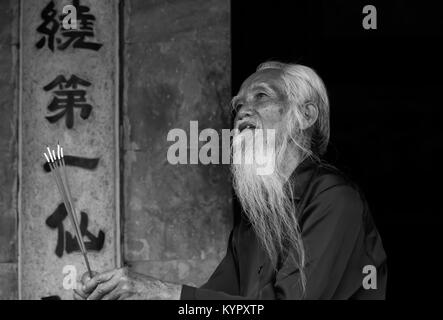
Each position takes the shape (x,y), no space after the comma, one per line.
(261,95)
(237,107)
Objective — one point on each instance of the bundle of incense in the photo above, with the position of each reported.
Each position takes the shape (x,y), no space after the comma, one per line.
(58,172)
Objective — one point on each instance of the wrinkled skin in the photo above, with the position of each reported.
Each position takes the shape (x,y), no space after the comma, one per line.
(119,284)
(261,101)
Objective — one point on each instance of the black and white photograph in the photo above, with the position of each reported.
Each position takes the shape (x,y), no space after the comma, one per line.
(229,150)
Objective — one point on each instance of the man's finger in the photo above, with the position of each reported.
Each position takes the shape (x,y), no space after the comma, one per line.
(113,295)
(79,291)
(91,284)
(78,296)
(103,289)
(86,276)
(120,292)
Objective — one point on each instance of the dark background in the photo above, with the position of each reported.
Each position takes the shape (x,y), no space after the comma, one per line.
(385,92)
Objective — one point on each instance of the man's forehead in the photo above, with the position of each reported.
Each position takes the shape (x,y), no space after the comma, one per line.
(267,77)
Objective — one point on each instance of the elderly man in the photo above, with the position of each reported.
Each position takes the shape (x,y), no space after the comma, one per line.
(305,231)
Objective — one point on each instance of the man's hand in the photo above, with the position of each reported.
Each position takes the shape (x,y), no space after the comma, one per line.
(124,284)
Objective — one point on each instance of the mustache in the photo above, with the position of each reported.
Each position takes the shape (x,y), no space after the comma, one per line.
(251,122)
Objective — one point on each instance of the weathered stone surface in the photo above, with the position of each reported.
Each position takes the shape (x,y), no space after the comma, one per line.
(8,281)
(8,137)
(177,69)
(94,191)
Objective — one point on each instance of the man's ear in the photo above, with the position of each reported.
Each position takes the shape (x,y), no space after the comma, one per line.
(309,112)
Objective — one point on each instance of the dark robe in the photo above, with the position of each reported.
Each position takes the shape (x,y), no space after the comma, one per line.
(339,236)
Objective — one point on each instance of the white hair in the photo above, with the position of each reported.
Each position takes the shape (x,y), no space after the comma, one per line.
(303,86)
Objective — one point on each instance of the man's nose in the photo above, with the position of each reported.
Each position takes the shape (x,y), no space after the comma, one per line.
(244,112)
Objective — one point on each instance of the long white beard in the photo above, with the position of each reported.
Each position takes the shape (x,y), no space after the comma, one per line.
(266,198)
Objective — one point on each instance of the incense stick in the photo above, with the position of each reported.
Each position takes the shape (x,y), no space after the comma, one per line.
(58,172)
(68,189)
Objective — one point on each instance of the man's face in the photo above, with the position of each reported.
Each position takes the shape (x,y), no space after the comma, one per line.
(261,102)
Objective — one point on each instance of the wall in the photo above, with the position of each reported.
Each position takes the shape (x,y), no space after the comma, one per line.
(177,69)
(175,65)
(8,149)
(81,114)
